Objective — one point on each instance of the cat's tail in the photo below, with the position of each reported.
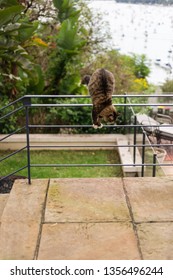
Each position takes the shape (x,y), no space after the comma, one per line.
(104,81)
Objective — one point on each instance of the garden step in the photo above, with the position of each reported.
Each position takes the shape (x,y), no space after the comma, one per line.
(126,157)
(18,141)
(86,200)
(21,219)
(3,201)
(87,218)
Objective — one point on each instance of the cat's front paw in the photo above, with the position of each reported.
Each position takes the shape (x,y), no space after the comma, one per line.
(97,126)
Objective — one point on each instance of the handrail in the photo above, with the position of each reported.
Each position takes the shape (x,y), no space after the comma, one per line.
(12,103)
(27,104)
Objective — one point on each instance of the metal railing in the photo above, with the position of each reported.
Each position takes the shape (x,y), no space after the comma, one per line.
(128,105)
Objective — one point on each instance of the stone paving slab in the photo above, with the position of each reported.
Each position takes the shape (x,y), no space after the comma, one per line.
(88,241)
(156,240)
(88,219)
(21,219)
(86,200)
(3,201)
(151,199)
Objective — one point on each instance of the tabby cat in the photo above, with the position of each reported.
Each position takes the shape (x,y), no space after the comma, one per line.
(101,86)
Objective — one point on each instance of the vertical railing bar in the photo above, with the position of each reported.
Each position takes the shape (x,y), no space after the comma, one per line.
(27,102)
(125,113)
(134,140)
(143,154)
(28,146)
(154,164)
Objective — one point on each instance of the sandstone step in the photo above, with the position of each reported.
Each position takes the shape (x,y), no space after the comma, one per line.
(87,218)
(3,201)
(126,157)
(21,220)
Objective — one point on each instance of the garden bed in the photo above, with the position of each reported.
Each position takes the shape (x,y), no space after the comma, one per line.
(7,184)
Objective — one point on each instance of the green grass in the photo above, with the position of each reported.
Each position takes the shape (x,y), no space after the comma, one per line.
(63,157)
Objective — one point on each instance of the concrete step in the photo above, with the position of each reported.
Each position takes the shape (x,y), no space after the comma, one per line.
(87,218)
(126,157)
(81,141)
(21,220)
(3,201)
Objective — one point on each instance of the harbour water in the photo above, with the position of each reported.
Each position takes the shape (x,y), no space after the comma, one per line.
(141,29)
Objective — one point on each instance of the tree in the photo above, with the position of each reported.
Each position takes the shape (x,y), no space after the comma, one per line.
(75,43)
(139,63)
(16,66)
(68,44)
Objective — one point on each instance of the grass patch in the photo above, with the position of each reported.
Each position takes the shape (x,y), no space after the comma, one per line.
(63,157)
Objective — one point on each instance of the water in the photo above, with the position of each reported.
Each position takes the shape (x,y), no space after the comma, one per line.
(142,29)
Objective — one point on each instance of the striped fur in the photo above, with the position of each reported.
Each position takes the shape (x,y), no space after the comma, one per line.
(101,87)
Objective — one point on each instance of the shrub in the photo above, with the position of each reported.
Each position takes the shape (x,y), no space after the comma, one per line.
(167,86)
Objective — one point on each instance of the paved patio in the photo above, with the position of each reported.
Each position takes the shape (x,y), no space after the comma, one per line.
(103,218)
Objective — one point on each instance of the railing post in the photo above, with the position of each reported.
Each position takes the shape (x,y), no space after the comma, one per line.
(125,113)
(154,164)
(134,141)
(143,154)
(27,102)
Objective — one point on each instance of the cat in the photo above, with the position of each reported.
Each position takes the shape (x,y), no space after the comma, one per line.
(101,87)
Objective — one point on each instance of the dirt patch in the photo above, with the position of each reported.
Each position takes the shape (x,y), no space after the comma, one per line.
(7,184)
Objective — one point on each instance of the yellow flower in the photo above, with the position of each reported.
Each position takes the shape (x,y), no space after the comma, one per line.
(140,84)
(40,42)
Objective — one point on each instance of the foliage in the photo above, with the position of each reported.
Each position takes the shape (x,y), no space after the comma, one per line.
(139,63)
(67,46)
(46,46)
(71,115)
(139,85)
(167,86)
(16,66)
(130,72)
(7,124)
(74,40)
(66,9)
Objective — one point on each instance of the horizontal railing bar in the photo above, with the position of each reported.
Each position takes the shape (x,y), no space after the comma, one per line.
(101,146)
(90,126)
(89,105)
(20,169)
(74,146)
(7,136)
(65,126)
(11,113)
(84,96)
(12,154)
(99,164)
(88,96)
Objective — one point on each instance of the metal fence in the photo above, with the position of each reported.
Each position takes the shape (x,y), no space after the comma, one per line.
(129,104)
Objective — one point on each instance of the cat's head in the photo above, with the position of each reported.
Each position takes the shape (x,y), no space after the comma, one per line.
(85,80)
(109,115)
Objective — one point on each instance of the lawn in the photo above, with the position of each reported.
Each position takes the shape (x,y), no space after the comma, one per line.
(63,157)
